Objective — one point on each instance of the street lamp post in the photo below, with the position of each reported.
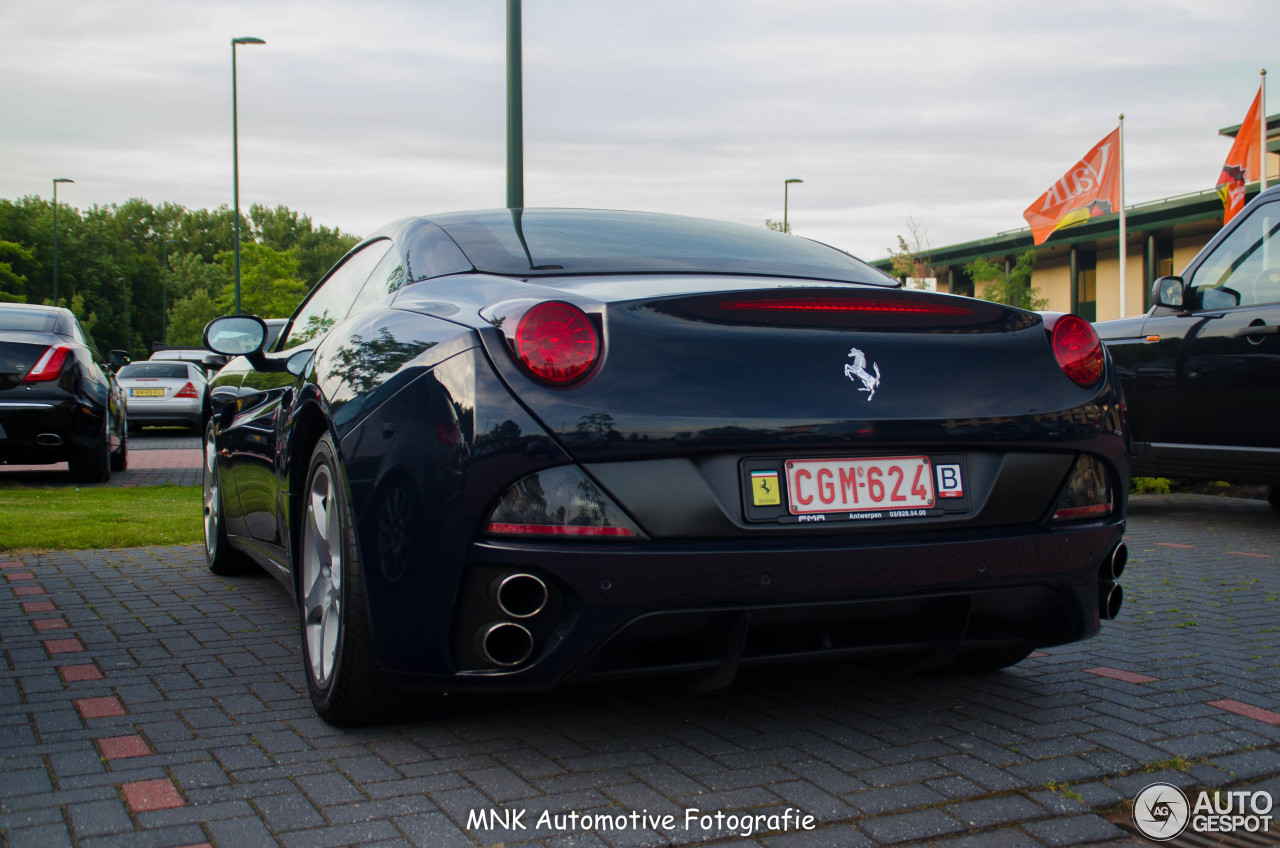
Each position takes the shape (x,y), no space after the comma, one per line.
(164,288)
(515,110)
(128,334)
(55,235)
(786,187)
(235,155)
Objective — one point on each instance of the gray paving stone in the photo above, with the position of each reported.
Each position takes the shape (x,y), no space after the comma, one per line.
(906,827)
(1075,830)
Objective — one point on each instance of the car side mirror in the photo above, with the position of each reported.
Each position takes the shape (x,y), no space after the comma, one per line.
(243,335)
(119,359)
(1169,292)
(235,335)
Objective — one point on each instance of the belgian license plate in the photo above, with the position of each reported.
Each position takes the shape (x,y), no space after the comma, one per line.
(146,392)
(854,485)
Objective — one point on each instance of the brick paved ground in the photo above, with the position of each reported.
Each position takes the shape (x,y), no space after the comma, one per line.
(146,702)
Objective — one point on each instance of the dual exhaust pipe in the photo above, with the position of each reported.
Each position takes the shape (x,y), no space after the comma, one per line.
(518,596)
(1110,595)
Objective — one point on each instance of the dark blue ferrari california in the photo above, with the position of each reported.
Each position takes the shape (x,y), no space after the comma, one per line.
(499,450)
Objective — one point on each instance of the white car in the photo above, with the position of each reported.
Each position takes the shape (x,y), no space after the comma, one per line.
(164,392)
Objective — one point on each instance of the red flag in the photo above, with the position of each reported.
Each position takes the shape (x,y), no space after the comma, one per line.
(1242,161)
(1089,188)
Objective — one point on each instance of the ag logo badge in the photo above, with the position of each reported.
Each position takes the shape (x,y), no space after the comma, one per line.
(1161,811)
(857,371)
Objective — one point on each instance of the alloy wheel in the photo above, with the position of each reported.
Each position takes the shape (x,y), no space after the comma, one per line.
(322,546)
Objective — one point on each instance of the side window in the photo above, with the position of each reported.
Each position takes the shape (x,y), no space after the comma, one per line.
(385,279)
(1245,268)
(331,299)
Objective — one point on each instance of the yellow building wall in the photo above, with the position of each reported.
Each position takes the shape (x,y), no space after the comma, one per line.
(1185,249)
(1054,283)
(1109,283)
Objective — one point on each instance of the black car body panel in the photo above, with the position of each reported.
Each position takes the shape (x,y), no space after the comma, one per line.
(702,382)
(62,418)
(1201,381)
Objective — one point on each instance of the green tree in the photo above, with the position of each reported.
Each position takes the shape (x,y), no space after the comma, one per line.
(269,285)
(911,260)
(1015,288)
(777,226)
(12,284)
(188,317)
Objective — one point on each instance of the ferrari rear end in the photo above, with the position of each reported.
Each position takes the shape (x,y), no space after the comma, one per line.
(755,472)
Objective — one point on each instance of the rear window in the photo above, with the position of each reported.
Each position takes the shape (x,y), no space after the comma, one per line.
(27,320)
(538,242)
(154,369)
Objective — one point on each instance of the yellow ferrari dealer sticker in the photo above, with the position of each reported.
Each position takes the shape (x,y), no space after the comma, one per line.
(764,488)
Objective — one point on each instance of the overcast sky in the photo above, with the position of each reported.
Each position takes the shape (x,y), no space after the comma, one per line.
(957,114)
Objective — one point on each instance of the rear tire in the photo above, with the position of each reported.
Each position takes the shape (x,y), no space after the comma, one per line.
(1273,496)
(221,557)
(346,685)
(120,458)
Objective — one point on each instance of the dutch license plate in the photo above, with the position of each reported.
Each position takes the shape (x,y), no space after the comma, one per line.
(146,392)
(855,485)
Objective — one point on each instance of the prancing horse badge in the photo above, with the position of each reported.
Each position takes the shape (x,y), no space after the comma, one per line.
(857,371)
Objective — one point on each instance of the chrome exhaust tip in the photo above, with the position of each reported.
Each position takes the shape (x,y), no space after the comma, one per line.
(1118,560)
(520,595)
(505,643)
(49,440)
(1111,598)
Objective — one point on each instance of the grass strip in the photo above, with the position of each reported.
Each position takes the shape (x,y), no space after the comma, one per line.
(67,518)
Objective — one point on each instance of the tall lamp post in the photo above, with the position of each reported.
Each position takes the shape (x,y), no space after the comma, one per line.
(786,187)
(56,180)
(128,334)
(164,288)
(235,154)
(515,110)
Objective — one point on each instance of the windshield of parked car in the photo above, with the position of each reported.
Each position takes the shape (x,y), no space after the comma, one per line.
(538,242)
(153,369)
(27,320)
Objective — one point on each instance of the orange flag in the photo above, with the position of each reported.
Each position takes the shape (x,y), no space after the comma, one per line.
(1089,188)
(1242,162)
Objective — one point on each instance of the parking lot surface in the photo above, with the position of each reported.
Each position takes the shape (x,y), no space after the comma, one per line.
(147,702)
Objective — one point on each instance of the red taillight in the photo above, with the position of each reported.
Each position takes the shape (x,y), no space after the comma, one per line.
(1078,349)
(831,304)
(557,342)
(187,391)
(49,366)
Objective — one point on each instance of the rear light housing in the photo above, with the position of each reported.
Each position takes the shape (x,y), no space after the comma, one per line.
(1077,348)
(49,366)
(1087,494)
(559,502)
(187,391)
(555,342)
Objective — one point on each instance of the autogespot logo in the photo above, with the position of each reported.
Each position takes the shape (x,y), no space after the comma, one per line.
(1161,811)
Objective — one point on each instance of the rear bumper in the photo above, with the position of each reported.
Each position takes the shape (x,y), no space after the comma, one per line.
(706,609)
(180,411)
(44,431)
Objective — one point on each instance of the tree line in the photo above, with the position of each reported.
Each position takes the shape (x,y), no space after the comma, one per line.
(137,274)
